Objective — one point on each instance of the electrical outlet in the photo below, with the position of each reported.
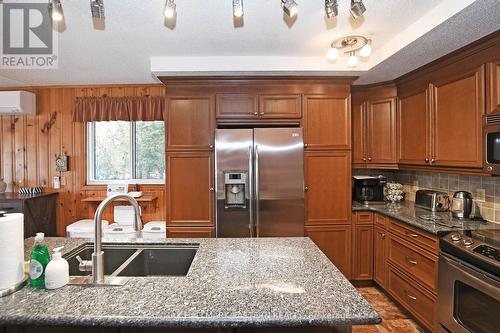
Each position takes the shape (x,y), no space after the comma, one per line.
(63,180)
(480,194)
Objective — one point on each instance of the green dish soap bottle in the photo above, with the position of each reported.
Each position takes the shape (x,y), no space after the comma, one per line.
(40,257)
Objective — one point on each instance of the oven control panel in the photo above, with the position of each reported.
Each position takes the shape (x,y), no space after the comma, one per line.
(489,252)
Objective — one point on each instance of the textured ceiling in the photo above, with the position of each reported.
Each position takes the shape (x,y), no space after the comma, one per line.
(136,40)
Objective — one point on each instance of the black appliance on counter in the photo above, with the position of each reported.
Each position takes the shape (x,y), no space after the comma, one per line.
(368,189)
(469,281)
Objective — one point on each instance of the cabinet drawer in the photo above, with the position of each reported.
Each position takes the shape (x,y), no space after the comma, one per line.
(380,220)
(413,297)
(364,218)
(415,236)
(418,264)
(11,206)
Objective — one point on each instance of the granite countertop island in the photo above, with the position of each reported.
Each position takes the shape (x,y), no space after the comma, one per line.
(247,282)
(406,212)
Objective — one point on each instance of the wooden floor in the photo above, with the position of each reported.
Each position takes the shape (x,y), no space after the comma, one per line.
(394,318)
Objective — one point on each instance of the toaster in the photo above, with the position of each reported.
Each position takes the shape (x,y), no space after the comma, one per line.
(432,200)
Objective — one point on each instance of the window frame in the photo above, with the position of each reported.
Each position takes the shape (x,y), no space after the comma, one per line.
(90,159)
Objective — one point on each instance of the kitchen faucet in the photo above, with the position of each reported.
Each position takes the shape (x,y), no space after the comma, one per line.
(98,255)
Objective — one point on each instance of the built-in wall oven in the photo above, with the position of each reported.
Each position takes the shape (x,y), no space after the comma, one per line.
(491,137)
(469,282)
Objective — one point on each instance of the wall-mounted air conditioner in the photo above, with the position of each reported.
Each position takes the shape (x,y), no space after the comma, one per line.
(17,103)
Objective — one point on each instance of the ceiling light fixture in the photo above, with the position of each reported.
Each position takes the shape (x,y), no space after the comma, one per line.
(170,9)
(331,8)
(350,45)
(238,8)
(97,8)
(56,10)
(290,7)
(357,8)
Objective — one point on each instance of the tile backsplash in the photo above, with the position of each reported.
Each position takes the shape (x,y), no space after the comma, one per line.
(485,190)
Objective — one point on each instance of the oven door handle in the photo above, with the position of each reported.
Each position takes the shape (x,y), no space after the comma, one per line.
(472,271)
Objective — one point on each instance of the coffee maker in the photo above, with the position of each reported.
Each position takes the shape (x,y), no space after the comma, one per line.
(368,189)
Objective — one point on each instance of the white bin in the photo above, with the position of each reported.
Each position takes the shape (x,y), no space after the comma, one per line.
(83,228)
(155,230)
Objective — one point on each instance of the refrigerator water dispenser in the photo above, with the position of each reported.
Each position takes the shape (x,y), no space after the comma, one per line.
(235,185)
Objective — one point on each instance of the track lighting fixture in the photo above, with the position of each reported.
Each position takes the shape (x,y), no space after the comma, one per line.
(331,8)
(350,45)
(97,8)
(56,10)
(170,9)
(238,8)
(290,7)
(357,8)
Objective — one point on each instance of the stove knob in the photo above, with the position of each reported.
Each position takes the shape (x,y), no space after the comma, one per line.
(456,237)
(468,242)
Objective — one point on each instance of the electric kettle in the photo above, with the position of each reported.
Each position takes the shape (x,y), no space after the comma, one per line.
(461,206)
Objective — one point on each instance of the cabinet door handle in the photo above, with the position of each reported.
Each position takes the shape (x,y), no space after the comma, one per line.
(410,296)
(364,159)
(411,261)
(262,113)
(383,235)
(369,158)
(305,145)
(211,146)
(426,160)
(306,188)
(409,234)
(433,160)
(211,189)
(255,113)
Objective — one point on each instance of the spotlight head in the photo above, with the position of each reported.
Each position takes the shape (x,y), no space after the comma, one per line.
(97,8)
(56,10)
(170,9)
(331,8)
(357,8)
(290,7)
(238,8)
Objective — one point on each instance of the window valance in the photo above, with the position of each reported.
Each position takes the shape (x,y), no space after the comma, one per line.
(146,108)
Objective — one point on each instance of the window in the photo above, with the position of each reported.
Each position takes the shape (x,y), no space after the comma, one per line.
(121,151)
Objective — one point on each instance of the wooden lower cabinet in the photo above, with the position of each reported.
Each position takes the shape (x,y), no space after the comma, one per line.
(190,232)
(420,302)
(335,242)
(362,240)
(380,256)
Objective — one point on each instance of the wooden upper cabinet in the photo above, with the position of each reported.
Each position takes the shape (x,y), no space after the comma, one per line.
(493,90)
(358,134)
(327,122)
(190,122)
(236,106)
(458,106)
(381,131)
(328,187)
(280,106)
(190,189)
(414,128)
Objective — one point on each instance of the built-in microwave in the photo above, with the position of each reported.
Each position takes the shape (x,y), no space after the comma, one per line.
(491,136)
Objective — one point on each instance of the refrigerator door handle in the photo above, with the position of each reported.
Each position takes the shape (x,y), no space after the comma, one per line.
(256,189)
(251,225)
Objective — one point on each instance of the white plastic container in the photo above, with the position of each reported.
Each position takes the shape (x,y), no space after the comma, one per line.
(57,271)
(124,215)
(155,230)
(116,231)
(83,228)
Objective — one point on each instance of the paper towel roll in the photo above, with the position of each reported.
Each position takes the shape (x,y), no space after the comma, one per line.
(11,250)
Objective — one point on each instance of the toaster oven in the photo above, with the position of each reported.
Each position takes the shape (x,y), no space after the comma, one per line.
(435,201)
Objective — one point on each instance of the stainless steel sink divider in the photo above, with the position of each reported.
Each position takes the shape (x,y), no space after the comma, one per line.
(127,262)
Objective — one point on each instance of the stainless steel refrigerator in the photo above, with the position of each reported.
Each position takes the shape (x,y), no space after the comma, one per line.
(259,182)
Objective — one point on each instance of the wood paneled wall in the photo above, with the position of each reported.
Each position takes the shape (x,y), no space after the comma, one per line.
(29,145)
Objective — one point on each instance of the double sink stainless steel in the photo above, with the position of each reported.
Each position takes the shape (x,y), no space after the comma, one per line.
(124,261)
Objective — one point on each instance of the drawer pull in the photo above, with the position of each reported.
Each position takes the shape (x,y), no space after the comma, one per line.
(383,235)
(410,296)
(409,234)
(411,261)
